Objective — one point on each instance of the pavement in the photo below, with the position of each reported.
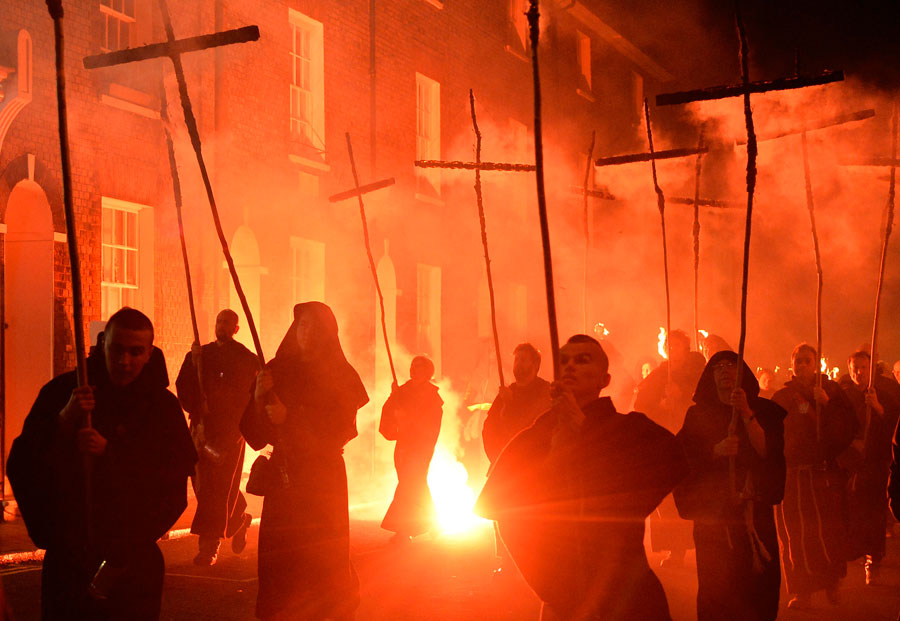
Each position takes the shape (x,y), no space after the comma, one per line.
(439,578)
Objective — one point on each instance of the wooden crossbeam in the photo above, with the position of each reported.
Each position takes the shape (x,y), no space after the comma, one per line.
(491,166)
(874,162)
(737,90)
(705,202)
(176,47)
(363,189)
(840,119)
(631,158)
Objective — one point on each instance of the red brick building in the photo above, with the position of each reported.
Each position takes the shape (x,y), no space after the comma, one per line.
(272,117)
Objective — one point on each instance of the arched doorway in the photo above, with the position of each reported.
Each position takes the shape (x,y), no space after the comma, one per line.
(28,301)
(245,253)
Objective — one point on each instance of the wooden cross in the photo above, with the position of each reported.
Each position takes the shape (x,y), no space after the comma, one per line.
(173,48)
(358,191)
(631,158)
(493,166)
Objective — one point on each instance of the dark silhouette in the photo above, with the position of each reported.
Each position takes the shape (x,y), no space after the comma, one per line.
(305,405)
(665,396)
(869,460)
(228,371)
(140,456)
(572,491)
(412,417)
(738,573)
(812,517)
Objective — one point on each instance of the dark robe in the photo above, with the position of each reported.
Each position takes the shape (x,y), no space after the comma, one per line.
(738,576)
(869,472)
(228,372)
(894,481)
(138,490)
(667,530)
(304,533)
(509,416)
(812,518)
(573,518)
(412,417)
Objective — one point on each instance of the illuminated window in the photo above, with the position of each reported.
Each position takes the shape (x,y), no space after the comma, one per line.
(307,270)
(118,24)
(518,20)
(583,53)
(428,314)
(126,242)
(637,83)
(428,134)
(307,81)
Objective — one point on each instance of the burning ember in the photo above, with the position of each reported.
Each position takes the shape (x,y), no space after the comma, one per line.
(661,346)
(453,498)
(833,373)
(703,333)
(600,330)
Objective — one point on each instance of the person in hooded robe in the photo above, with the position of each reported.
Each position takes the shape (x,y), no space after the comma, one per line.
(102,559)
(738,573)
(571,494)
(412,417)
(811,520)
(304,405)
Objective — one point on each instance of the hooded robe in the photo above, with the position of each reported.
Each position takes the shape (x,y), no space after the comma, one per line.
(304,533)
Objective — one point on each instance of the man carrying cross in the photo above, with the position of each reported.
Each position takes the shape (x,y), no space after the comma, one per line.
(228,370)
(102,559)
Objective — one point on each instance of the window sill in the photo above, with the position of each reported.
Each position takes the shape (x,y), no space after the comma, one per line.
(430,200)
(516,53)
(438,4)
(129,106)
(305,162)
(586,95)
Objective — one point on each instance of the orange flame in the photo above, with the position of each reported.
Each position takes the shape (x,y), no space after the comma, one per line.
(703,333)
(661,345)
(453,498)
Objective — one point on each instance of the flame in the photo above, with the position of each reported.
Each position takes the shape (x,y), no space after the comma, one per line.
(703,333)
(453,498)
(823,366)
(645,370)
(832,374)
(661,345)
(601,330)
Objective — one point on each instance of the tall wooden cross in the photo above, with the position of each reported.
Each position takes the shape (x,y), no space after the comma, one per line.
(173,49)
(892,163)
(744,90)
(358,191)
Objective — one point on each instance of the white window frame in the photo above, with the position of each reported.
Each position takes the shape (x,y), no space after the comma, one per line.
(311,255)
(115,13)
(519,21)
(142,296)
(307,126)
(428,135)
(583,56)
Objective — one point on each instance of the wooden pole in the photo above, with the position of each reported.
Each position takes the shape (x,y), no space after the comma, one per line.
(588,166)
(698,168)
(810,205)
(484,241)
(191,123)
(365,228)
(661,205)
(884,248)
(534,31)
(176,188)
(751,186)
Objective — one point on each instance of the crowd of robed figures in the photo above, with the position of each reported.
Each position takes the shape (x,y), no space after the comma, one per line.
(571,482)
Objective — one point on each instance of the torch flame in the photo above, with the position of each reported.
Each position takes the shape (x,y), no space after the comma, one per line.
(703,333)
(453,498)
(661,345)
(601,330)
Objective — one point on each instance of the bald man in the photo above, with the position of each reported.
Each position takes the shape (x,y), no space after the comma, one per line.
(228,370)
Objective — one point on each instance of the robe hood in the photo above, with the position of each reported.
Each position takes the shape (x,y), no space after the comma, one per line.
(153,376)
(706,393)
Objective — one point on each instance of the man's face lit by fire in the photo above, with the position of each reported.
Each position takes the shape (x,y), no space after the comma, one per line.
(306,336)
(583,369)
(725,376)
(804,366)
(226,326)
(525,367)
(897,371)
(859,371)
(126,353)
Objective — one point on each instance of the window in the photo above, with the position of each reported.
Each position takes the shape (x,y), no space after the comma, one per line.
(519,39)
(307,83)
(428,314)
(637,90)
(118,23)
(126,243)
(428,134)
(583,53)
(307,270)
